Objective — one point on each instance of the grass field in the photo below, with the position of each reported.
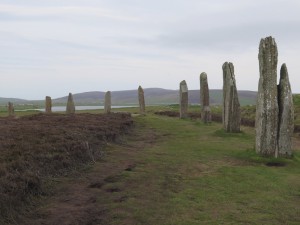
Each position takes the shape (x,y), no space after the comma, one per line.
(198,174)
(170,171)
(178,172)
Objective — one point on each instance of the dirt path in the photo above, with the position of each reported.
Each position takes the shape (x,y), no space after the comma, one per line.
(82,197)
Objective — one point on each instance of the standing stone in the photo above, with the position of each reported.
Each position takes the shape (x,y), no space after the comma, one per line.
(11,109)
(231,105)
(266,122)
(141,100)
(286,114)
(70,105)
(184,99)
(48,104)
(107,105)
(204,99)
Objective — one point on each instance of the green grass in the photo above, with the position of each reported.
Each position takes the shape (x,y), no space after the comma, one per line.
(198,174)
(296,99)
(194,174)
(19,113)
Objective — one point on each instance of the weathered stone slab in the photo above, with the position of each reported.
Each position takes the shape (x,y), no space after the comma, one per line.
(107,104)
(48,104)
(286,114)
(204,99)
(70,105)
(11,109)
(266,122)
(184,99)
(206,114)
(141,100)
(231,105)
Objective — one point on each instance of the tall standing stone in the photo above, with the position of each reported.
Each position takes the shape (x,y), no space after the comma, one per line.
(11,109)
(204,99)
(48,104)
(107,105)
(183,98)
(286,114)
(141,100)
(70,105)
(266,122)
(231,105)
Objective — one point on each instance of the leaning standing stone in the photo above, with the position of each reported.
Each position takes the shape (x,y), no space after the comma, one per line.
(231,105)
(70,105)
(48,104)
(184,99)
(266,122)
(107,105)
(11,109)
(286,114)
(141,100)
(204,99)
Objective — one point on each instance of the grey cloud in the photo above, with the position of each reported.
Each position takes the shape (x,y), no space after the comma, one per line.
(237,38)
(167,37)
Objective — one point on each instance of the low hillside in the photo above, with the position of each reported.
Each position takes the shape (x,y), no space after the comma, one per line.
(153,96)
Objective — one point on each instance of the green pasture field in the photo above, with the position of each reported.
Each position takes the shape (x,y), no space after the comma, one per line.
(198,174)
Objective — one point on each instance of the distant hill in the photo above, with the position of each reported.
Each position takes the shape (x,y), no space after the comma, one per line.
(153,96)
(4,101)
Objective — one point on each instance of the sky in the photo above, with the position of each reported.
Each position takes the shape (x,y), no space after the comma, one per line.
(53,47)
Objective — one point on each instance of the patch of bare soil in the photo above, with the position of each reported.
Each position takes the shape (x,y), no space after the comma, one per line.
(85,197)
(35,148)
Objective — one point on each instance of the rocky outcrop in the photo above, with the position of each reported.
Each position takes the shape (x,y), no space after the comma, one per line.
(266,122)
(183,98)
(204,99)
(141,100)
(286,114)
(231,105)
(274,109)
(267,105)
(48,105)
(274,121)
(11,109)
(70,105)
(107,104)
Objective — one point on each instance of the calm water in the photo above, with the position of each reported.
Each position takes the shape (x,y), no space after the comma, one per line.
(63,108)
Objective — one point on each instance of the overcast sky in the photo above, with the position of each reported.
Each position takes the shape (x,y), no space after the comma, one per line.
(53,47)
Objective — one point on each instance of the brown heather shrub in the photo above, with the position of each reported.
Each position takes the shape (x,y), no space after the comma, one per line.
(36,147)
